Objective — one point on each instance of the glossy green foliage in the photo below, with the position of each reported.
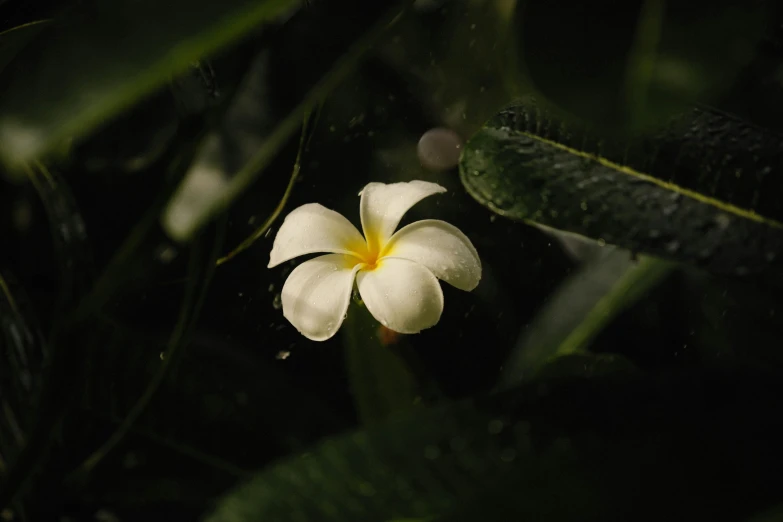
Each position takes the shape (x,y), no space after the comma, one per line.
(620,178)
(702,190)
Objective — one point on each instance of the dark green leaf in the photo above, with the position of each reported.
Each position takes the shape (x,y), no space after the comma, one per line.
(69,235)
(74,261)
(200,271)
(633,63)
(219,391)
(381,382)
(91,66)
(24,355)
(771,515)
(586,365)
(257,126)
(583,305)
(14,40)
(593,450)
(703,190)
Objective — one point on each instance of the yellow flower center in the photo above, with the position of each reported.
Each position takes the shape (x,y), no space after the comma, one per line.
(369,252)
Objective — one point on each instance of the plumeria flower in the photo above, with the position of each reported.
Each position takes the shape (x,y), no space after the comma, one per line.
(396,272)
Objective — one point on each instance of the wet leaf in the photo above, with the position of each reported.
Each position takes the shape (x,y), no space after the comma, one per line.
(580,308)
(701,191)
(86,69)
(596,449)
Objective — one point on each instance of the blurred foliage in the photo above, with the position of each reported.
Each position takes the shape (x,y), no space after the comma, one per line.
(620,359)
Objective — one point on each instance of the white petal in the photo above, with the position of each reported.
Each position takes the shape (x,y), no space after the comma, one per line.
(382,206)
(442,248)
(314,228)
(316,295)
(404,296)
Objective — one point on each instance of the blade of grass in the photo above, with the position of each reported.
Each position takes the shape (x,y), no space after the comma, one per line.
(583,306)
(260,231)
(192,303)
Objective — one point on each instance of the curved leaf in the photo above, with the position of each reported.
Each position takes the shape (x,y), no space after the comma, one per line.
(219,391)
(704,190)
(69,235)
(200,272)
(592,450)
(12,41)
(87,68)
(59,373)
(254,130)
(583,305)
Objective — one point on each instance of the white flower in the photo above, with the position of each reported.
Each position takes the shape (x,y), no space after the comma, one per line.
(397,273)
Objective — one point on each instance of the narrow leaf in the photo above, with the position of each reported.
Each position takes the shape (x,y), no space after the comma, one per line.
(580,308)
(255,129)
(702,191)
(91,66)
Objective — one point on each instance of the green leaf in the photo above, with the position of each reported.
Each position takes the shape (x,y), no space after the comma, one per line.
(256,126)
(24,356)
(89,67)
(218,393)
(380,381)
(774,514)
(592,450)
(703,190)
(580,308)
(69,235)
(200,272)
(586,365)
(62,361)
(14,40)
(633,64)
